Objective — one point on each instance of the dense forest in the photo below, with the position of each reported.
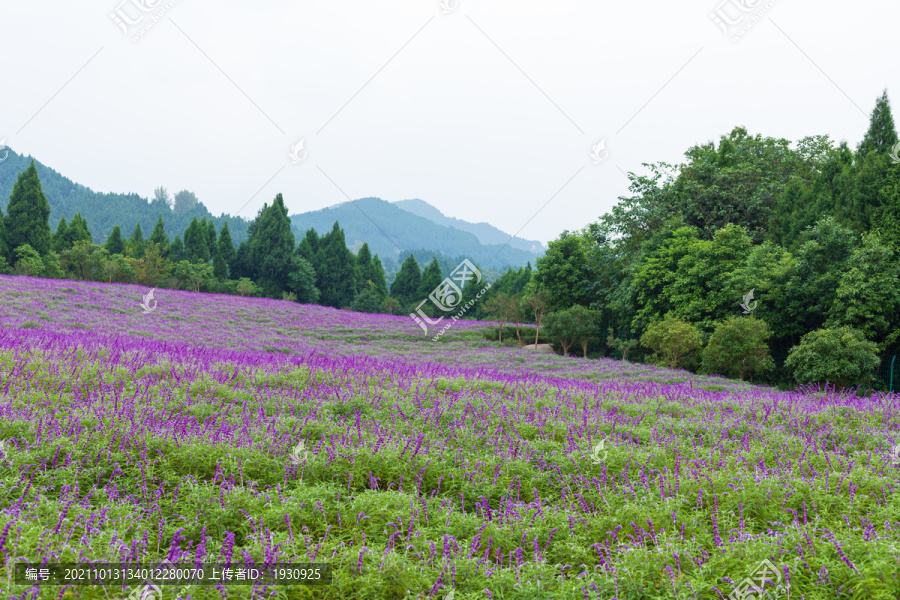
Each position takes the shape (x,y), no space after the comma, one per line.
(804,236)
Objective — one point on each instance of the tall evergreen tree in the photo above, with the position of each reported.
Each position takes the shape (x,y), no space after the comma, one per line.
(28,214)
(114,243)
(309,246)
(882,135)
(176,250)
(363,265)
(4,251)
(78,230)
(269,251)
(159,236)
(405,287)
(195,242)
(377,277)
(136,242)
(431,278)
(336,276)
(211,237)
(225,246)
(61,236)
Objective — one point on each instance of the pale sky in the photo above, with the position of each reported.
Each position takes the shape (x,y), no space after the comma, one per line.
(487,112)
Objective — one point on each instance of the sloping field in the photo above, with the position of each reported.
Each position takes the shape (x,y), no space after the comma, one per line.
(428,469)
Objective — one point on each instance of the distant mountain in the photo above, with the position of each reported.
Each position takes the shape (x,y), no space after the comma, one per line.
(392,232)
(104,211)
(485,232)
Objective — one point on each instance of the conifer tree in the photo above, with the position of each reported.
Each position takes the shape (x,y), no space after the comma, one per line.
(195,242)
(336,274)
(114,243)
(882,135)
(136,242)
(159,236)
(405,287)
(431,278)
(28,214)
(211,237)
(225,246)
(60,236)
(176,250)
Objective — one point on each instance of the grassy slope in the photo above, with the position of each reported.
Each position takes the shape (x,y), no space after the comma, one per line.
(430,466)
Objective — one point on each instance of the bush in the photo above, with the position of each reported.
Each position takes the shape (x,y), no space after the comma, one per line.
(674,341)
(367,301)
(738,347)
(28,261)
(841,356)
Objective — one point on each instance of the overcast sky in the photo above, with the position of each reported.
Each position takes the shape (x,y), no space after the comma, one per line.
(489,111)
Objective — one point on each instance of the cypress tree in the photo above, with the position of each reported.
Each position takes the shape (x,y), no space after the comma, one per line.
(159,236)
(881,135)
(4,251)
(176,250)
(211,237)
(28,214)
(136,242)
(271,247)
(114,243)
(61,236)
(431,278)
(78,231)
(195,242)
(225,246)
(405,287)
(363,266)
(378,277)
(336,277)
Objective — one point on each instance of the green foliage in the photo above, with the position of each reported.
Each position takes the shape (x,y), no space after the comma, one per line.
(114,244)
(368,300)
(841,356)
(674,341)
(135,246)
(405,287)
(881,135)
(563,271)
(868,293)
(738,348)
(431,279)
(621,346)
(302,280)
(158,236)
(176,250)
(245,287)
(27,214)
(196,244)
(28,261)
(335,268)
(574,325)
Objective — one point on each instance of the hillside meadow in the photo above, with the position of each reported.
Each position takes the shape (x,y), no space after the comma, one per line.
(451,469)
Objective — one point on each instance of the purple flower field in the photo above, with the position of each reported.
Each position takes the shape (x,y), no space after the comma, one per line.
(452,469)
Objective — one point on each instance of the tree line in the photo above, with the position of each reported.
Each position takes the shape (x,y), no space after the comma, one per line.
(812,229)
(319,269)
